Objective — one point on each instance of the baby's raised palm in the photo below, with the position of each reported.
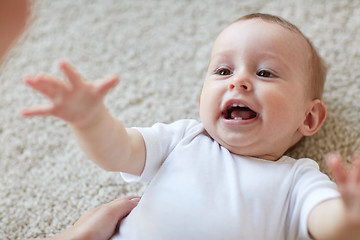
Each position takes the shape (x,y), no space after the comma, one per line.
(75,101)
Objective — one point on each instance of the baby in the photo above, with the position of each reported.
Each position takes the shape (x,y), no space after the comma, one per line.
(225,177)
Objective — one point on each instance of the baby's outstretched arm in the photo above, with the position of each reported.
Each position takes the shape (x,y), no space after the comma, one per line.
(339,218)
(80,103)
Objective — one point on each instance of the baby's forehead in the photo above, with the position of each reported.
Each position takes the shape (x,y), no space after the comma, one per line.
(256,29)
(246,26)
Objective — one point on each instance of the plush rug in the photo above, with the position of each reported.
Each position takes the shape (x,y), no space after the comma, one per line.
(160,49)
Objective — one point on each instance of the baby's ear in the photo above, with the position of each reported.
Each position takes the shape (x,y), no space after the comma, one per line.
(314,118)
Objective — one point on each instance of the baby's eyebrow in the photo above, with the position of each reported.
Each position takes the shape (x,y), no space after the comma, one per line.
(275,57)
(219,58)
(223,54)
(271,55)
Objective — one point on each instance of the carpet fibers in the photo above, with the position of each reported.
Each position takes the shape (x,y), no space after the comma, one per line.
(160,50)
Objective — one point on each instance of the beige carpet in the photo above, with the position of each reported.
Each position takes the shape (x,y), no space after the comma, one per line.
(160,49)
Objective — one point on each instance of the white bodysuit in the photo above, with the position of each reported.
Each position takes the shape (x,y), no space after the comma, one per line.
(199,190)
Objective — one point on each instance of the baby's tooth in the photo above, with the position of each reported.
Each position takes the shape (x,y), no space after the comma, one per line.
(238,105)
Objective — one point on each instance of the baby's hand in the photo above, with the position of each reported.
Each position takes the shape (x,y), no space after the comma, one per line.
(348,181)
(76,101)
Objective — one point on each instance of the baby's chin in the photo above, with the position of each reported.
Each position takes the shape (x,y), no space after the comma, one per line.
(251,150)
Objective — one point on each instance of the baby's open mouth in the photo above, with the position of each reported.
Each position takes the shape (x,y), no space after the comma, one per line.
(239,112)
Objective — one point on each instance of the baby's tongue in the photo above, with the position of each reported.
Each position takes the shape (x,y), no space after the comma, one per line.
(243,113)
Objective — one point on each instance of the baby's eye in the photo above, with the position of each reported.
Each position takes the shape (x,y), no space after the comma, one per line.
(223,71)
(265,74)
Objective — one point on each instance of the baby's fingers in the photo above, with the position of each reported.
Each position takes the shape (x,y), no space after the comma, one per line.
(47,85)
(74,78)
(104,86)
(336,166)
(356,168)
(41,111)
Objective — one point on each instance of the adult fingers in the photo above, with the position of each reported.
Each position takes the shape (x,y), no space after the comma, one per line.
(109,213)
(121,207)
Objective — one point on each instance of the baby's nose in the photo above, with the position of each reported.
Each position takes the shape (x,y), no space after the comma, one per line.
(241,83)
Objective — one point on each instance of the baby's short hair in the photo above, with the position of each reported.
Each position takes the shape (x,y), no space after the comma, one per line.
(316,65)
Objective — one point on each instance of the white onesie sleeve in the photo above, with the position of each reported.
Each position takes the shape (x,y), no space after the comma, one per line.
(160,140)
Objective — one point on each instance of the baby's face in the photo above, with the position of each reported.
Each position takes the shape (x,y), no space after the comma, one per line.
(254,96)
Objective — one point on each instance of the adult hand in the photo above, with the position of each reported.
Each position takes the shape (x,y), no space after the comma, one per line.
(99,223)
